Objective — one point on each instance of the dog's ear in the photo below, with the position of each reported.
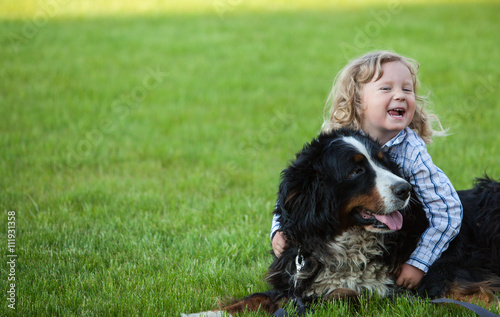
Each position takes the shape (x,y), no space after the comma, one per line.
(307,207)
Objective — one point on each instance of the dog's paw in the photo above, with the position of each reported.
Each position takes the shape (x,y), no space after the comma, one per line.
(216,313)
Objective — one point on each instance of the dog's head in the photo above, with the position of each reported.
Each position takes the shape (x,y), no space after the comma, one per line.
(340,180)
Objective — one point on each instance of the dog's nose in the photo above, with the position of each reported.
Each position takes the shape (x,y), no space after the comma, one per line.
(401,190)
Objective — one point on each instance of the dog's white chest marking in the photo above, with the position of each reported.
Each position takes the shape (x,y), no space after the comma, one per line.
(352,261)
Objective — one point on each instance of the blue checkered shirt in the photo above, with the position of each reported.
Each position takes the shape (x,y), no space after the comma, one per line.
(434,190)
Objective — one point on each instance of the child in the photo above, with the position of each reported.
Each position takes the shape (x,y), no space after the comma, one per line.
(376,93)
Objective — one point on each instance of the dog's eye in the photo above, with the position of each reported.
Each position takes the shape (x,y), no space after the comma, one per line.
(356,172)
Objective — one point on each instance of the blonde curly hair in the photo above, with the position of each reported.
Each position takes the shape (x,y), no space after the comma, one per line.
(343,107)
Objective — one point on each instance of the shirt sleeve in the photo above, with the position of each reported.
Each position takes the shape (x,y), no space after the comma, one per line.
(275,226)
(442,207)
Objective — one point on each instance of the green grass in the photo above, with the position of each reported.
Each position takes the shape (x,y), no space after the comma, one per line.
(142,195)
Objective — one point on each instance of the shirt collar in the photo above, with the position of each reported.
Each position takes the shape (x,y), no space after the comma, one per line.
(398,139)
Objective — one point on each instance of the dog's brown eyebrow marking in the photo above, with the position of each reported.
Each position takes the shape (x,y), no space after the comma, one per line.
(358,158)
(380,155)
(290,197)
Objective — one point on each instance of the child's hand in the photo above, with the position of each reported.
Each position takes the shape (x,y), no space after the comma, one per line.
(410,276)
(279,243)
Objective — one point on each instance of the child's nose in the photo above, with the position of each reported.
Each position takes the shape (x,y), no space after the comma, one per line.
(399,95)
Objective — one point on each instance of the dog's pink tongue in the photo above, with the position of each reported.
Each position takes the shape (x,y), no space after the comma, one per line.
(393,220)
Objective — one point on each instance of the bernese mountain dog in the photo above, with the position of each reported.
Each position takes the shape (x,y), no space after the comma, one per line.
(351,221)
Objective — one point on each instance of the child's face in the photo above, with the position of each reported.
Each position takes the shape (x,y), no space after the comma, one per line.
(388,104)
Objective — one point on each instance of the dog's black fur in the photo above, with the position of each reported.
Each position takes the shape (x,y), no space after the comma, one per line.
(320,199)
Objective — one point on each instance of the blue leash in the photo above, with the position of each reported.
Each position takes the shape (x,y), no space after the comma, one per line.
(480,311)
(301,309)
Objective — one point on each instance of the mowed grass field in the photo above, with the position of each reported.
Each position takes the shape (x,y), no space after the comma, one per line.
(141,143)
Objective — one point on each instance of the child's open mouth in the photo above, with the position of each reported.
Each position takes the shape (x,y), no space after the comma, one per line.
(397,113)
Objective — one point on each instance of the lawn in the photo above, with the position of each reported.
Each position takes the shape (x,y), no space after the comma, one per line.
(142,143)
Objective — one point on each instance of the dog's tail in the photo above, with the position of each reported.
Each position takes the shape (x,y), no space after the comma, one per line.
(471,292)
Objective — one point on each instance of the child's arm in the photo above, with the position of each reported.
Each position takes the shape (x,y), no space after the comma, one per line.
(442,206)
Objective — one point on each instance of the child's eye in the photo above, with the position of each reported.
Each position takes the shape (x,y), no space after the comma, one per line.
(408,89)
(385,88)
